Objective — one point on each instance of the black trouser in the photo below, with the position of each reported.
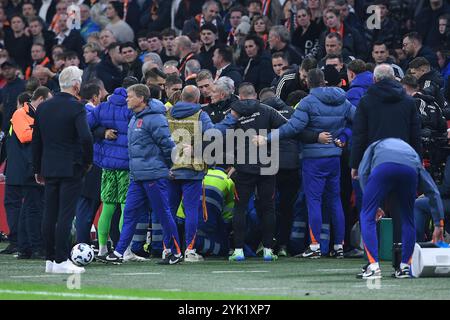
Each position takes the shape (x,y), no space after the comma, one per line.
(288,185)
(61,196)
(13,207)
(246,184)
(350,214)
(30,224)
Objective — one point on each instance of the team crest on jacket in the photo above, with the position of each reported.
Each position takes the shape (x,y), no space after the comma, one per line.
(139,123)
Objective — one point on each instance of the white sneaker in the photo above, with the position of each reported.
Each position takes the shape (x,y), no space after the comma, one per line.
(192,256)
(165,253)
(49,266)
(131,256)
(67,267)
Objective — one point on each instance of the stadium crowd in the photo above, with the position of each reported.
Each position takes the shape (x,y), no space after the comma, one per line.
(336,77)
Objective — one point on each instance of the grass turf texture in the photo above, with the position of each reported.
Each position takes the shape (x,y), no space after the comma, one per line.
(287,278)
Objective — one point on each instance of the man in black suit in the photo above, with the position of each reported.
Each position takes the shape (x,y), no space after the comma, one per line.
(223,61)
(62,154)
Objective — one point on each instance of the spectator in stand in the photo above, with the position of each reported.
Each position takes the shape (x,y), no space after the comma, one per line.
(261,26)
(427,22)
(254,8)
(306,35)
(40,35)
(183,50)
(429,80)
(109,69)
(191,72)
(208,37)
(122,30)
(18,43)
(258,69)
(223,61)
(333,45)
(279,41)
(156,15)
(38,57)
(380,55)
(388,33)
(205,83)
(107,38)
(296,80)
(88,26)
(173,85)
(71,59)
(210,13)
(91,55)
(70,39)
(28,11)
(352,40)
(279,65)
(168,38)
(186,10)
(132,66)
(348,16)
(235,14)
(46,78)
(155,45)
(413,48)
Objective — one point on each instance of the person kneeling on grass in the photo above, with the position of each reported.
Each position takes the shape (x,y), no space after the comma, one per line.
(150,148)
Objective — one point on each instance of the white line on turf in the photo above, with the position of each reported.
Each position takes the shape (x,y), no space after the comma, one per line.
(239,271)
(74,295)
(335,270)
(135,274)
(40,276)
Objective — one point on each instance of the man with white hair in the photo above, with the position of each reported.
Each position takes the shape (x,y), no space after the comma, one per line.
(62,154)
(221,99)
(386,111)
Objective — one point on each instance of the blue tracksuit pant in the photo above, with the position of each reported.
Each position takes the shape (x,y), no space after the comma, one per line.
(190,191)
(388,178)
(155,192)
(321,183)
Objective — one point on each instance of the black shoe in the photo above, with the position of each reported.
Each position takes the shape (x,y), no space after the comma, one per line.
(10,249)
(37,255)
(311,254)
(171,259)
(402,273)
(110,258)
(363,270)
(338,254)
(23,255)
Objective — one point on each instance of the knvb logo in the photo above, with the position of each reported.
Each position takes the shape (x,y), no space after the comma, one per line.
(74,282)
(374,20)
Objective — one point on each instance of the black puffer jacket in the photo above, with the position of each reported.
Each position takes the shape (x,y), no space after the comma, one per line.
(257,116)
(384,112)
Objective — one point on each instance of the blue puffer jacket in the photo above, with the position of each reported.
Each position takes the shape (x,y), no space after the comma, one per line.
(149,143)
(112,114)
(324,109)
(359,87)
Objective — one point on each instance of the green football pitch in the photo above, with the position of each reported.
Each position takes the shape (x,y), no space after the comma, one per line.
(218,279)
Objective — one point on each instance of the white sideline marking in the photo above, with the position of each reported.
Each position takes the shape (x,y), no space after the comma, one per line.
(135,274)
(40,276)
(74,295)
(336,270)
(240,271)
